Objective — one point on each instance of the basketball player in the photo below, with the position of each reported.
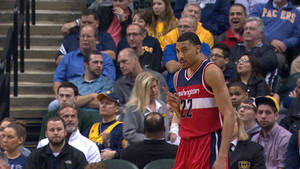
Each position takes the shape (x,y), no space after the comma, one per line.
(204,106)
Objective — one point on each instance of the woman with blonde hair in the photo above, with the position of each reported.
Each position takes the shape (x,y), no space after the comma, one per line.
(163,19)
(243,152)
(144,99)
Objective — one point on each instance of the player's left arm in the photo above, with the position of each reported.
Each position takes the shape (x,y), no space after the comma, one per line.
(214,78)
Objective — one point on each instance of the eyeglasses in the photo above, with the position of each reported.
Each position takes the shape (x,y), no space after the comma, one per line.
(245,107)
(183,26)
(216,55)
(242,61)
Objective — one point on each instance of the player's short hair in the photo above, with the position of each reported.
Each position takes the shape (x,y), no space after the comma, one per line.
(191,37)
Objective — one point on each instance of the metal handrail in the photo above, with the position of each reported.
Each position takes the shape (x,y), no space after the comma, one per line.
(15,34)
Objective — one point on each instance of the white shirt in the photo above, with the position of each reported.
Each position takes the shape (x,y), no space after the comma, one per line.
(89,148)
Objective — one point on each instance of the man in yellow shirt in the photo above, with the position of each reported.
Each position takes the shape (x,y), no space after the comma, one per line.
(190,9)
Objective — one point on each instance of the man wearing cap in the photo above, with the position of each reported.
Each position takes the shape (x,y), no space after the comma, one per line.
(108,134)
(272,137)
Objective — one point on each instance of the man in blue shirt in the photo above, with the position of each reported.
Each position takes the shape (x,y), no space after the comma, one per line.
(104,42)
(92,82)
(71,66)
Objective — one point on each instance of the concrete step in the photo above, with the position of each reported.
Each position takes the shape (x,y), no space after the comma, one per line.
(39,40)
(49,4)
(35,76)
(50,16)
(39,65)
(23,112)
(33,88)
(35,52)
(31,100)
(38,29)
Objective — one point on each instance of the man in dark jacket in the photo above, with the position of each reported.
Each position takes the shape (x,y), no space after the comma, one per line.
(57,154)
(154,147)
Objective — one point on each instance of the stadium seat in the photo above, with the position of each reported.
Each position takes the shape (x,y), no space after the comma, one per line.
(119,164)
(160,164)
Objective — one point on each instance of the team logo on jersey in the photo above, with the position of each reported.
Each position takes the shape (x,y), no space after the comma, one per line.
(244,164)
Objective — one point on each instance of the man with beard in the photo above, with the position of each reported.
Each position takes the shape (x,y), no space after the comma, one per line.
(272,137)
(92,82)
(71,66)
(57,154)
(69,114)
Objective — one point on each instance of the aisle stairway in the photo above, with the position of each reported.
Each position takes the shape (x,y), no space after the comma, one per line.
(35,85)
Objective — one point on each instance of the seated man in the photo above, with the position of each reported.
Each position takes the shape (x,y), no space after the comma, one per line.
(108,134)
(135,34)
(282,25)
(170,60)
(67,93)
(92,82)
(71,66)
(143,18)
(58,153)
(131,68)
(105,43)
(253,44)
(246,112)
(272,137)
(220,55)
(237,18)
(154,146)
(74,138)
(194,10)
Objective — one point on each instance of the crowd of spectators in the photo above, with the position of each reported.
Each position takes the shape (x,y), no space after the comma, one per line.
(115,60)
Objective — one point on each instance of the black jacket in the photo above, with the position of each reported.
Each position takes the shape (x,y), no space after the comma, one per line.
(247,154)
(69,158)
(264,54)
(105,15)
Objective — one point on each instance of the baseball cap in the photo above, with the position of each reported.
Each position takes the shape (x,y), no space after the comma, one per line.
(267,100)
(112,96)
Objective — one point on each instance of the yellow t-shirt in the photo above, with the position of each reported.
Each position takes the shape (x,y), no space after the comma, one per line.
(204,35)
(159,33)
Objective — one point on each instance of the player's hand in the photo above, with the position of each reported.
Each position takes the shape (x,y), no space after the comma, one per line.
(220,163)
(173,100)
